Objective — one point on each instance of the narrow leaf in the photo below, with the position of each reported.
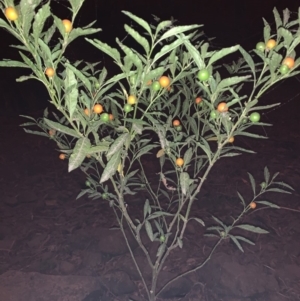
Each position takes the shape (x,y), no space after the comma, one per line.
(149,230)
(61,128)
(80,150)
(177,30)
(251,228)
(252,181)
(141,40)
(220,54)
(236,242)
(184,182)
(111,167)
(71,91)
(139,21)
(81,76)
(117,145)
(269,204)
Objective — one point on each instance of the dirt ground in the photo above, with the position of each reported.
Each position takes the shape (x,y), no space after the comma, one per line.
(56,248)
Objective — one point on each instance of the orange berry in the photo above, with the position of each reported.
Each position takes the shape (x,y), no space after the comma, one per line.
(289,61)
(62,156)
(11,14)
(87,112)
(231,139)
(52,132)
(198,100)
(222,107)
(98,109)
(131,99)
(176,122)
(68,25)
(179,162)
(271,44)
(164,81)
(49,72)
(252,205)
(111,117)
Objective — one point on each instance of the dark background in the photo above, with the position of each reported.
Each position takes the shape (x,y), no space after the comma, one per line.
(231,22)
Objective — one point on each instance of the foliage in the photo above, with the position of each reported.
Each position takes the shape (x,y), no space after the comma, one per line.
(154,87)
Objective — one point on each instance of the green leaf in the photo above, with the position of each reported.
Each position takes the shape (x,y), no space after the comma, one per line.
(221,53)
(49,33)
(236,242)
(252,181)
(278,20)
(154,74)
(162,25)
(29,62)
(36,133)
(61,128)
(3,24)
(248,59)
(176,31)
(267,31)
(242,199)
(80,150)
(274,63)
(198,220)
(219,222)
(141,40)
(139,21)
(269,204)
(111,167)
(205,147)
(251,228)
(195,54)
(145,150)
(39,21)
(27,8)
(45,51)
(230,81)
(166,49)
(161,249)
(24,78)
(264,107)
(102,76)
(81,76)
(230,155)
(278,190)
(101,147)
(130,54)
(112,52)
(287,36)
(266,174)
(147,208)
(158,214)
(251,135)
(245,240)
(179,241)
(184,182)
(118,144)
(78,32)
(149,230)
(188,156)
(9,63)
(281,183)
(71,91)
